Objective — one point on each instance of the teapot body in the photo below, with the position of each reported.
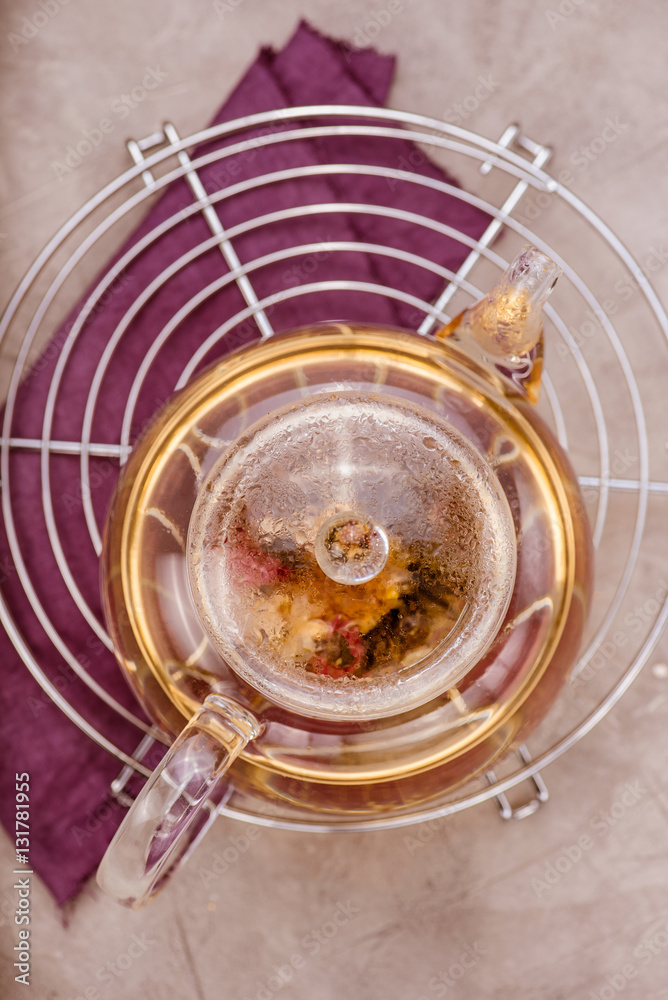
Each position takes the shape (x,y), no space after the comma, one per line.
(342,770)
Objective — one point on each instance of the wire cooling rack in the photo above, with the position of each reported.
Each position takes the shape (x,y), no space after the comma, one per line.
(606,337)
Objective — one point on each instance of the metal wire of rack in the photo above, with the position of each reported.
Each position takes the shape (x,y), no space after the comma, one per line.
(598,369)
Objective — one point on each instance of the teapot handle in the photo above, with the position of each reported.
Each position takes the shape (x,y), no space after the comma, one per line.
(167,815)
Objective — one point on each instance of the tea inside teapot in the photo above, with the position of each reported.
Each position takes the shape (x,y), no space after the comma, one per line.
(351,555)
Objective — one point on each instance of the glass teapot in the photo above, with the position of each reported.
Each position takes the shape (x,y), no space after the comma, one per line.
(345,570)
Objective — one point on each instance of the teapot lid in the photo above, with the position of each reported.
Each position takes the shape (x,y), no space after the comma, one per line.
(351,555)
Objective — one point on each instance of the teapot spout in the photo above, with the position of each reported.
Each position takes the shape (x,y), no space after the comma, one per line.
(507,323)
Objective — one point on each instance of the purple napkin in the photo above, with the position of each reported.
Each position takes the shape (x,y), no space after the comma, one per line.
(73,815)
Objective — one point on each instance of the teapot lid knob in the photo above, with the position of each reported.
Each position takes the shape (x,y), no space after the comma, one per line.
(351,549)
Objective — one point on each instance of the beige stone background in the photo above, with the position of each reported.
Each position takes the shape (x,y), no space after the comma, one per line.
(562,68)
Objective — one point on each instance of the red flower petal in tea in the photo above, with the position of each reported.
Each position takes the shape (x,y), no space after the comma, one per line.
(253,566)
(345,643)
